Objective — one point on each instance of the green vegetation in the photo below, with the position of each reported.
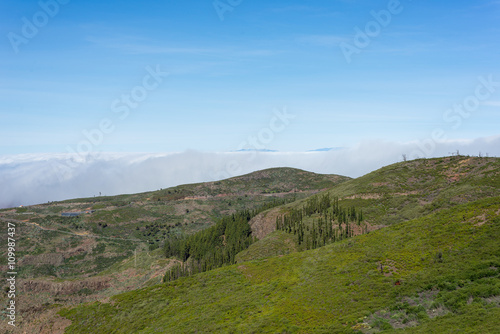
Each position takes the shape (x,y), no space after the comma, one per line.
(210,248)
(276,243)
(416,250)
(326,215)
(412,189)
(21,210)
(215,246)
(118,247)
(149,220)
(336,288)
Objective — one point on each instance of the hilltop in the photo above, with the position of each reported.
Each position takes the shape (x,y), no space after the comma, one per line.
(439,273)
(427,226)
(431,261)
(114,245)
(390,195)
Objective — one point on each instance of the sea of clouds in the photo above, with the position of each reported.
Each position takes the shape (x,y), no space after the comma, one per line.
(38,178)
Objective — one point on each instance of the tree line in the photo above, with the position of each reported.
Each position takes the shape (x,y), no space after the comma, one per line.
(331,222)
(215,246)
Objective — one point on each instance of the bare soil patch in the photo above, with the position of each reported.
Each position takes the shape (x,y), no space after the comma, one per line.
(264,223)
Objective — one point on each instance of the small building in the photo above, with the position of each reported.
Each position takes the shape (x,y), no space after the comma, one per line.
(71,214)
(76,214)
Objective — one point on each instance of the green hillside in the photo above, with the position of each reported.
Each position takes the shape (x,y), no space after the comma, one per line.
(414,246)
(408,190)
(411,189)
(440,271)
(123,224)
(66,261)
(428,264)
(390,195)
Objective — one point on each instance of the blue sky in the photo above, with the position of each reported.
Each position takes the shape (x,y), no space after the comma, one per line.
(228,78)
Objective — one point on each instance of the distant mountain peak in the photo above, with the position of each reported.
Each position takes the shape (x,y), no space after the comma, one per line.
(255,150)
(326,149)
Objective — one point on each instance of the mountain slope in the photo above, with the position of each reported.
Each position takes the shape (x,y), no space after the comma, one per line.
(401,276)
(410,189)
(121,224)
(65,261)
(440,271)
(421,192)
(406,190)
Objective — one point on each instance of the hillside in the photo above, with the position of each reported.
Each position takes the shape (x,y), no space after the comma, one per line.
(411,189)
(121,224)
(427,226)
(435,266)
(404,191)
(439,273)
(113,247)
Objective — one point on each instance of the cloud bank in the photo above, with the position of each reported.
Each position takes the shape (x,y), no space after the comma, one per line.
(39,178)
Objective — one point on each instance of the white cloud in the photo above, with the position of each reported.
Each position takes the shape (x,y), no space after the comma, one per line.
(38,178)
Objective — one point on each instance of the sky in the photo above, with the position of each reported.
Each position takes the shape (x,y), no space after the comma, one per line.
(94,78)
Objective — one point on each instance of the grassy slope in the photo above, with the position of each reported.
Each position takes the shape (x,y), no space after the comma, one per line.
(57,250)
(330,289)
(144,218)
(411,189)
(396,193)
(276,243)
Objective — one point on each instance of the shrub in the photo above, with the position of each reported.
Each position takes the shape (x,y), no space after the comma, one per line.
(382,324)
